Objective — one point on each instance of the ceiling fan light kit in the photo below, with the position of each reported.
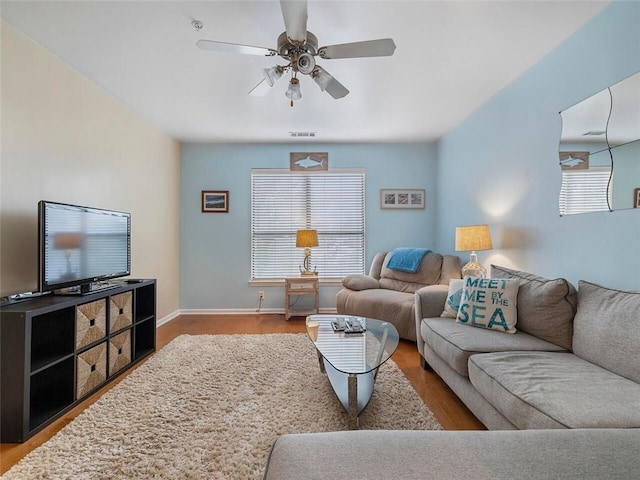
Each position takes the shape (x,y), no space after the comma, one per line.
(321,77)
(306,63)
(300,47)
(273,74)
(293,92)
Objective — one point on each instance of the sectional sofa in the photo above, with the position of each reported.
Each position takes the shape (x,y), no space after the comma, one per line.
(574,361)
(561,395)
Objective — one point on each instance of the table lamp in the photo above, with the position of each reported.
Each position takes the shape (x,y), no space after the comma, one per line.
(470,239)
(307,239)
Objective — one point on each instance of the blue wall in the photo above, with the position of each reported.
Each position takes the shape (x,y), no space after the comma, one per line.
(215,248)
(501,165)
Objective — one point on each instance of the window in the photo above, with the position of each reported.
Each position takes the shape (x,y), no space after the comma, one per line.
(282,202)
(585,191)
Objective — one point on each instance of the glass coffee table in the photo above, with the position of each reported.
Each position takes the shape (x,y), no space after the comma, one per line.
(351,360)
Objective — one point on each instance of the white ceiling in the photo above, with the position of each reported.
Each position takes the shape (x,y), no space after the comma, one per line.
(451,57)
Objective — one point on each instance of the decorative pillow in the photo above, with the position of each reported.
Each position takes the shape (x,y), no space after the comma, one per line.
(454,296)
(489,303)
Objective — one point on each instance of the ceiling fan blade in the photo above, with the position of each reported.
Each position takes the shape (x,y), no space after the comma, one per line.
(336,89)
(260,89)
(383,47)
(235,48)
(295,19)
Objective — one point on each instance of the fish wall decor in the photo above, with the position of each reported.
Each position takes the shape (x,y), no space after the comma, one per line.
(308,161)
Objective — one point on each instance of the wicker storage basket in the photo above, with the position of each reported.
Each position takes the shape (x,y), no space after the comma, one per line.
(91,369)
(91,322)
(120,311)
(119,351)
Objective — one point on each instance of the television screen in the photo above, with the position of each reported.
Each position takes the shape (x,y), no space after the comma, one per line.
(81,245)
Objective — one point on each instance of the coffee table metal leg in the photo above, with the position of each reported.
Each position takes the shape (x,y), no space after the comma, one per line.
(321,362)
(354,390)
(352,410)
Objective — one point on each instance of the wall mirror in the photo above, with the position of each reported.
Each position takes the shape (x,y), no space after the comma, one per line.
(599,150)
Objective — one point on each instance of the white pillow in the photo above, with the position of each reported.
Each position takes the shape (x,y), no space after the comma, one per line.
(489,303)
(452,304)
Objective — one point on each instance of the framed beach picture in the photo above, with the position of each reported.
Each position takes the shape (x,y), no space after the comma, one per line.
(636,198)
(402,198)
(215,201)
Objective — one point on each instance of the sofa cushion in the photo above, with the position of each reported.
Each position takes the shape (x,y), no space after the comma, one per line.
(358,281)
(606,329)
(427,274)
(489,303)
(454,295)
(610,454)
(545,307)
(555,390)
(455,342)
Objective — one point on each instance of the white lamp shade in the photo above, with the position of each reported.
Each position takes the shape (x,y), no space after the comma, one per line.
(306,63)
(321,77)
(293,92)
(272,75)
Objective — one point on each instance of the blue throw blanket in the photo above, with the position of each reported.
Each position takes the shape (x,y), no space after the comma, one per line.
(406,259)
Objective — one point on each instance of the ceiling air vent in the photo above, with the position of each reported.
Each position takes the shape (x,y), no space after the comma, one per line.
(593,133)
(302,134)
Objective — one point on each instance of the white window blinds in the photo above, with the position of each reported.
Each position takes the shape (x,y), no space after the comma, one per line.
(585,191)
(283,202)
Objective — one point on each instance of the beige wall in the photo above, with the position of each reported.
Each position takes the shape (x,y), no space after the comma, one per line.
(64,139)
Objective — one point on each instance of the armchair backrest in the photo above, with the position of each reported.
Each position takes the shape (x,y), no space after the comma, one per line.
(434,269)
(376,265)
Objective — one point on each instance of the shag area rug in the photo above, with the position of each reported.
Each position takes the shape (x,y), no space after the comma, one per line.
(210,407)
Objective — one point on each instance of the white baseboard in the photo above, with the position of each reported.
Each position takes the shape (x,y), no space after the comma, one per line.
(168,318)
(235,311)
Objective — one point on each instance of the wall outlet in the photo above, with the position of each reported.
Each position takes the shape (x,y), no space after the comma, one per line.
(261,295)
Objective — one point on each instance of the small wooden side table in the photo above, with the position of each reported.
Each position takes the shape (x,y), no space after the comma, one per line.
(297,286)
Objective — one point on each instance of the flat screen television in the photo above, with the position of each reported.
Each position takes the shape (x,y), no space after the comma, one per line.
(80,246)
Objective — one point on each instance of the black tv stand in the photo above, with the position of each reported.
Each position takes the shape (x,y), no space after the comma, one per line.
(56,350)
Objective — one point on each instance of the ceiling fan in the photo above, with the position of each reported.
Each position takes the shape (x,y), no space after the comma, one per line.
(300,47)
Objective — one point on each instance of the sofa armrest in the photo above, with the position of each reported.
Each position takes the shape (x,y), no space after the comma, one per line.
(360,282)
(430,300)
(429,303)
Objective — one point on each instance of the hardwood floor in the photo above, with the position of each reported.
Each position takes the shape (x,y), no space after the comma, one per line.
(447,408)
